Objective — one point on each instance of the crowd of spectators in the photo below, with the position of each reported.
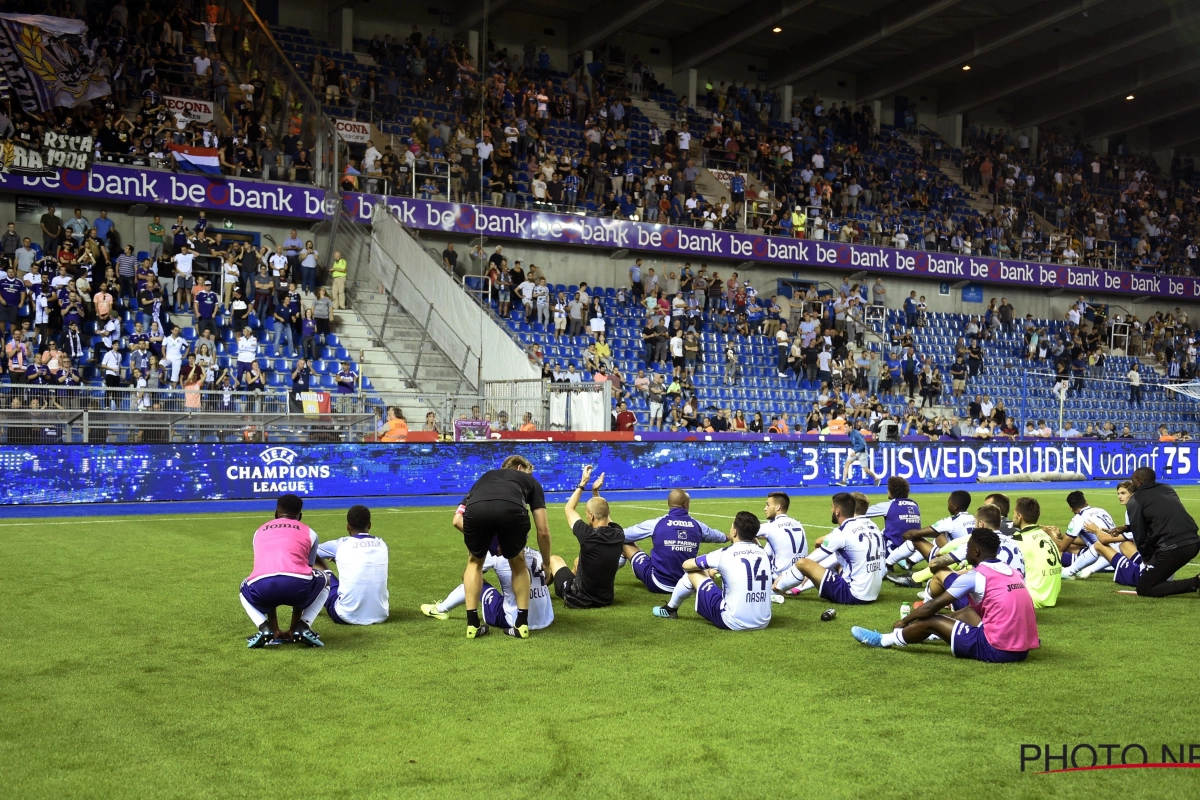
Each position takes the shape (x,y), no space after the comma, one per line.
(79,307)
(1110,209)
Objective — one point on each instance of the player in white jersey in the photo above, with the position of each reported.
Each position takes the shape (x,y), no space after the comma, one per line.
(784,536)
(500,607)
(856,547)
(358,595)
(951,559)
(1076,542)
(743,602)
(1113,546)
(919,543)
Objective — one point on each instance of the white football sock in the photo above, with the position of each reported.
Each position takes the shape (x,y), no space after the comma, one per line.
(453,600)
(893,639)
(308,615)
(256,616)
(791,579)
(900,553)
(1083,559)
(829,561)
(1100,563)
(683,590)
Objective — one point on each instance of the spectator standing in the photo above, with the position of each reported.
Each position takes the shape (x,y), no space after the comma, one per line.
(338,273)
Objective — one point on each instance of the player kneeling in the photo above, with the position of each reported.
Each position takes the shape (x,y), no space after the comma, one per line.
(358,594)
(285,551)
(857,550)
(500,607)
(999,625)
(743,603)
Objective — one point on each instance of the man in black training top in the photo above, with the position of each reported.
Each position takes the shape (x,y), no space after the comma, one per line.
(601,541)
(495,509)
(1165,535)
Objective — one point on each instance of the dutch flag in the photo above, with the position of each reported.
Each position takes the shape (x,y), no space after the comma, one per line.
(196,159)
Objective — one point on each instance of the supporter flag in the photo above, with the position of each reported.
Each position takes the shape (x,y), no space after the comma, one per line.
(196,159)
(314,402)
(47,62)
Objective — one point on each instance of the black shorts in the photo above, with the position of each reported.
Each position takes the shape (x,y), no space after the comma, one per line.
(504,525)
(564,582)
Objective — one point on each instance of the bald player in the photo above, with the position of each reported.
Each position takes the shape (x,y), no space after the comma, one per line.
(590,583)
(677,538)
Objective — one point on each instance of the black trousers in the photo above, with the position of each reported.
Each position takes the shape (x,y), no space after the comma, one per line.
(1155,580)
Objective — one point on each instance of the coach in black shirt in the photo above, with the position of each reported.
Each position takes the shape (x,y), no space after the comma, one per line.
(493,514)
(1165,535)
(601,542)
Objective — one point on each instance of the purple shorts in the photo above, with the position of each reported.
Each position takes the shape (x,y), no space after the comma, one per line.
(644,572)
(1066,559)
(708,603)
(835,589)
(267,594)
(331,601)
(1128,571)
(968,641)
(960,603)
(492,603)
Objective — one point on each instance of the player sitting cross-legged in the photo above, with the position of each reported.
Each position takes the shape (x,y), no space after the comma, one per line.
(285,550)
(847,566)
(1078,538)
(999,625)
(743,602)
(358,594)
(500,607)
(784,537)
(951,559)
(920,542)
(676,537)
(1114,546)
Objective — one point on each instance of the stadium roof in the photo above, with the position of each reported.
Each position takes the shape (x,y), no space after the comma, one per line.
(1037,60)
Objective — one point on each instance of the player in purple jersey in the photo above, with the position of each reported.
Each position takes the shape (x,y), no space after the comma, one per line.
(677,538)
(900,514)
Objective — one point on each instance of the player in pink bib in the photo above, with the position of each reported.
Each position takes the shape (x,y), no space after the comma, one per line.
(285,550)
(999,624)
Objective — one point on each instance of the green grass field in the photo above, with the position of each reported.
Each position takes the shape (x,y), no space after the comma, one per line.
(125,674)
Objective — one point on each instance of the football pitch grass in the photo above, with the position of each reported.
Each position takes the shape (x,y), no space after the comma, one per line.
(126,674)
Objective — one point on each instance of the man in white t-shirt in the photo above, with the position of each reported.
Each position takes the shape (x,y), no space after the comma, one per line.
(247,352)
(278,262)
(358,594)
(525,289)
(174,348)
(183,278)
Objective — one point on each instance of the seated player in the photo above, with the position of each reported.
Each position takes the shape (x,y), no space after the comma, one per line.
(358,594)
(784,537)
(999,625)
(945,564)
(855,548)
(1002,502)
(1043,570)
(1078,538)
(677,538)
(919,543)
(900,514)
(1115,547)
(285,550)
(601,541)
(500,607)
(743,603)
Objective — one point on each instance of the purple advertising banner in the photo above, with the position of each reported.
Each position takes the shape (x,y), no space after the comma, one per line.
(129,184)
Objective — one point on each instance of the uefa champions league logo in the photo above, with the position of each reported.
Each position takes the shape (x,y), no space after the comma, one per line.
(279,472)
(278,455)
